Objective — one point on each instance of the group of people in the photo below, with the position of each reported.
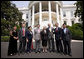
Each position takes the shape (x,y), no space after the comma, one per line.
(25,35)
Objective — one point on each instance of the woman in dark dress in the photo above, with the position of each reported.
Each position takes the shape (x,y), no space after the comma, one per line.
(29,36)
(12,49)
(44,39)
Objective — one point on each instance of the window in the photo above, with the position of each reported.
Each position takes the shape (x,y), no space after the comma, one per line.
(65,22)
(64,14)
(45,19)
(72,22)
(26,15)
(59,10)
(26,24)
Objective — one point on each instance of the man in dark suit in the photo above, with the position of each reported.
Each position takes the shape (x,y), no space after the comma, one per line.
(50,38)
(66,36)
(58,32)
(22,39)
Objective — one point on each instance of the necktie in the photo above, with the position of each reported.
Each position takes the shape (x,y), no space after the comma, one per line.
(23,32)
(56,30)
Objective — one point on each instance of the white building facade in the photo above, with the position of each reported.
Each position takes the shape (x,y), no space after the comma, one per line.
(44,12)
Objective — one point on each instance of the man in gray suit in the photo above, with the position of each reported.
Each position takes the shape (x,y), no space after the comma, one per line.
(50,38)
(22,39)
(66,36)
(37,38)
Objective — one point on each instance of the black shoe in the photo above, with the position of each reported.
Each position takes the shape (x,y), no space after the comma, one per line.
(35,52)
(58,51)
(23,53)
(14,53)
(39,51)
(64,53)
(19,54)
(53,51)
(70,54)
(27,52)
(11,54)
(61,53)
(50,50)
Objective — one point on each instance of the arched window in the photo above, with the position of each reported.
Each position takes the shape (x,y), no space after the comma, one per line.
(26,16)
(65,22)
(72,22)
(64,14)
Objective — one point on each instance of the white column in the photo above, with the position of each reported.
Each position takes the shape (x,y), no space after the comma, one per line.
(29,18)
(50,20)
(57,13)
(61,16)
(33,21)
(68,17)
(32,16)
(40,14)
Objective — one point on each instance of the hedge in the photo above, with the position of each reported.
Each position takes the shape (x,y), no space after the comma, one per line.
(77,31)
(5,38)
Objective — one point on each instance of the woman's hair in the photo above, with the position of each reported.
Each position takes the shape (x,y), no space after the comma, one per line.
(64,24)
(11,32)
(29,27)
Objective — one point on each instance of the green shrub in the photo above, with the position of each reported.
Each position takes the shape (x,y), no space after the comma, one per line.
(77,31)
(5,38)
(5,32)
(78,34)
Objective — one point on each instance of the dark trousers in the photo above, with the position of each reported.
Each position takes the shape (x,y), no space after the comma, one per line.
(67,46)
(29,45)
(51,44)
(22,45)
(59,45)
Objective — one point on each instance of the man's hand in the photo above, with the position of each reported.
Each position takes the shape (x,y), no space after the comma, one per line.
(60,38)
(27,40)
(15,37)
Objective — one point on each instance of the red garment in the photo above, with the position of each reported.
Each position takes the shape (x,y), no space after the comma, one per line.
(32,46)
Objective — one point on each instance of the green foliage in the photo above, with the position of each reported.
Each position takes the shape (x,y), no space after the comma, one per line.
(18,27)
(5,38)
(9,15)
(77,31)
(79,9)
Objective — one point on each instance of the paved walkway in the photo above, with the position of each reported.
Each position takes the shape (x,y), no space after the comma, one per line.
(76,46)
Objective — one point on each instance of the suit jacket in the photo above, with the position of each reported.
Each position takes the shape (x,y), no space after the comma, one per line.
(50,34)
(43,35)
(37,34)
(66,36)
(20,34)
(29,35)
(58,33)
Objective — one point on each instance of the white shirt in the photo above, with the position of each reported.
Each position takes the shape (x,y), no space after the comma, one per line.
(65,30)
(50,29)
(45,31)
(56,28)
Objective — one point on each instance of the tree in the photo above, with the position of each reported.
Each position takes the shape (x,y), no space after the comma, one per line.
(9,15)
(79,9)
